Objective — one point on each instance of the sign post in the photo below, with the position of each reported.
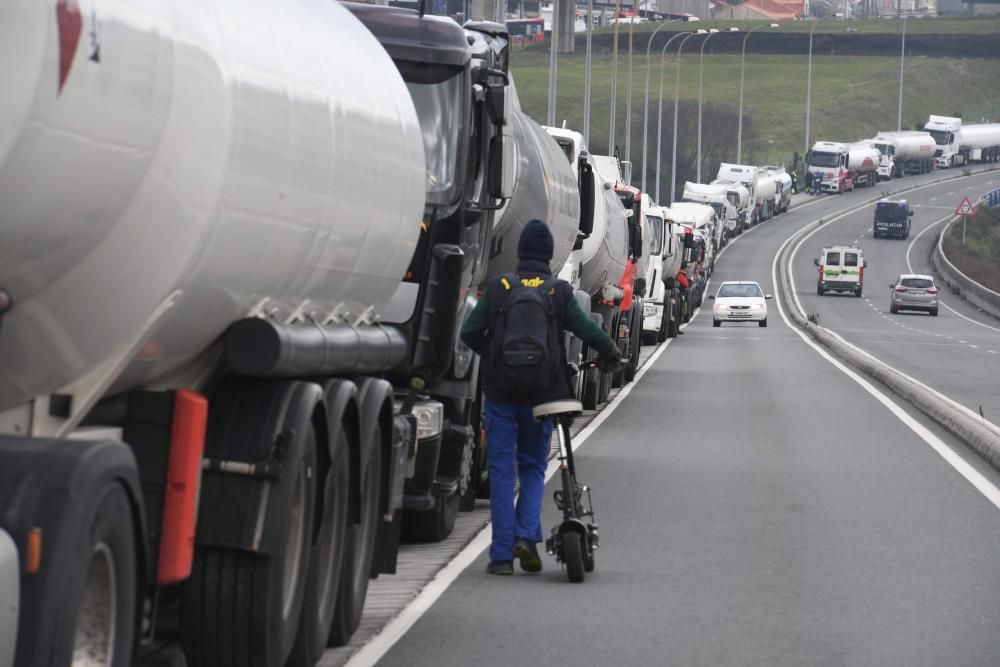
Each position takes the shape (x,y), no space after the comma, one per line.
(965,209)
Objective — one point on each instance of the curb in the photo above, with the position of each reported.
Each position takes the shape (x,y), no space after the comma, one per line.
(981,436)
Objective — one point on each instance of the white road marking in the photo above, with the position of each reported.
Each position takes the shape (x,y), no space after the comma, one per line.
(386,638)
(981,483)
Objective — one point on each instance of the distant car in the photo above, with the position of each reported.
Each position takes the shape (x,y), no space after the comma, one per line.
(739,301)
(914,291)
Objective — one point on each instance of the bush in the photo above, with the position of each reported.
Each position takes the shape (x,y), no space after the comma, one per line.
(979,258)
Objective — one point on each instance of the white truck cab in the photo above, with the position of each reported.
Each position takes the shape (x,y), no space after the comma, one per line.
(947,133)
(841,269)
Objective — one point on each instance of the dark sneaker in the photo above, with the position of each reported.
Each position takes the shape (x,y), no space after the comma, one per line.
(526,551)
(505,567)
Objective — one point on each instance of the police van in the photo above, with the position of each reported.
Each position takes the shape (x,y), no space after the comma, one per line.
(841,269)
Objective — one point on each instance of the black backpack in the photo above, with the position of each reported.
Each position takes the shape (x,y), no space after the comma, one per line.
(526,345)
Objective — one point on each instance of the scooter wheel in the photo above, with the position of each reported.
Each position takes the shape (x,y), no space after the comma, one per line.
(572,551)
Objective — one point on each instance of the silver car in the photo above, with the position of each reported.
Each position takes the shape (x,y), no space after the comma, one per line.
(914,291)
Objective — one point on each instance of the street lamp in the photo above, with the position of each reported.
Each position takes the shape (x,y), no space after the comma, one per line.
(677,90)
(550,116)
(743,69)
(586,74)
(645,108)
(809,78)
(659,120)
(614,78)
(902,55)
(701,90)
(628,96)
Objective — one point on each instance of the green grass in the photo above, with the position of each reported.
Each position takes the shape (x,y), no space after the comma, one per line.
(979,258)
(852,97)
(928,26)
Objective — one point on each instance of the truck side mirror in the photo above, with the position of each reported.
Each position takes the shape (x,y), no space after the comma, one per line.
(640,286)
(496,103)
(587,194)
(816,261)
(689,240)
(635,240)
(864,264)
(910,213)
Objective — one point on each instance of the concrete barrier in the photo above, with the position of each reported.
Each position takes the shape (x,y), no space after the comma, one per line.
(979,434)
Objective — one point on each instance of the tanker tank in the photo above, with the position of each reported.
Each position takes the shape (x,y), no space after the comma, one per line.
(193,177)
(545,188)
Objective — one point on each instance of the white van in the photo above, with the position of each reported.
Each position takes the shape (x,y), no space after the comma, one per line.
(841,269)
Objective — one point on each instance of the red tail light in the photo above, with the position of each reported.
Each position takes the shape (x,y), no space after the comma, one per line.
(900,289)
(932,290)
(821,273)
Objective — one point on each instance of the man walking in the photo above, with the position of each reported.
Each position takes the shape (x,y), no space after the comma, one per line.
(517,327)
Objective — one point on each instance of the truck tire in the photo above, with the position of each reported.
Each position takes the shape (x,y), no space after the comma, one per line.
(360,548)
(97,589)
(605,388)
(327,559)
(243,608)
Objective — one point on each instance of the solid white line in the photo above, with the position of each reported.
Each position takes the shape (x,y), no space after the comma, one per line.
(393,631)
(909,267)
(980,482)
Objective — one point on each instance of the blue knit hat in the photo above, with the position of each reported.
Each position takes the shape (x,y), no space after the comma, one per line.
(535,242)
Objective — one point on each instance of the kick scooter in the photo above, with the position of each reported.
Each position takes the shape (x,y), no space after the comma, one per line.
(575,539)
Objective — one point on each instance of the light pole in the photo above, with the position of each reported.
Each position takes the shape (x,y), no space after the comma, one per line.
(550,117)
(701,91)
(677,90)
(659,119)
(614,79)
(743,69)
(809,79)
(628,95)
(586,74)
(645,108)
(902,56)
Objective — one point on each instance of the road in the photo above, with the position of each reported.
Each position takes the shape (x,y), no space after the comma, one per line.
(956,353)
(758,506)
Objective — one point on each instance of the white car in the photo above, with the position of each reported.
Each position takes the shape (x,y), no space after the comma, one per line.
(739,301)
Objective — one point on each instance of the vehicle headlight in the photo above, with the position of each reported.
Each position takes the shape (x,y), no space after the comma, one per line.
(648,309)
(430,419)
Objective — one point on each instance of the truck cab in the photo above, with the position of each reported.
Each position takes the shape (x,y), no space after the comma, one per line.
(828,160)
(947,133)
(892,219)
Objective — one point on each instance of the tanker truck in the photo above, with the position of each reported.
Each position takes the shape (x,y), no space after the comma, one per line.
(958,144)
(842,167)
(204,415)
(677,252)
(597,266)
(904,152)
(783,182)
(721,199)
(628,333)
(761,189)
(702,219)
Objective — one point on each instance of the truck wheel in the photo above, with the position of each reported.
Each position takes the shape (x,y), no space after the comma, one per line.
(857,291)
(819,290)
(327,559)
(605,388)
(360,547)
(433,525)
(100,585)
(240,607)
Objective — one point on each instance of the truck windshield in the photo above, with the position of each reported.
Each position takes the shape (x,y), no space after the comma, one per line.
(654,226)
(885,149)
(440,108)
(825,159)
(941,137)
(887,212)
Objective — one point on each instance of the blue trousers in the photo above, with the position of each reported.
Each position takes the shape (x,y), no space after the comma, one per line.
(517,448)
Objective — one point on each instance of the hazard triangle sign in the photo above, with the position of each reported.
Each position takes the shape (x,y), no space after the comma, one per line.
(965,208)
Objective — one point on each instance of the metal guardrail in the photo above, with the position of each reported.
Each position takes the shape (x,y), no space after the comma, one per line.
(992,198)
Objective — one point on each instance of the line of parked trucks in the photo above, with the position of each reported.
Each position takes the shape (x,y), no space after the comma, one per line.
(230,289)
(944,142)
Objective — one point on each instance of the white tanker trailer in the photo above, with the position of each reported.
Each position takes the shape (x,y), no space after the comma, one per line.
(545,188)
(200,235)
(904,152)
(761,188)
(981,142)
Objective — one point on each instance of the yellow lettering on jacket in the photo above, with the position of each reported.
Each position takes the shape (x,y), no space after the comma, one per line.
(532,282)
